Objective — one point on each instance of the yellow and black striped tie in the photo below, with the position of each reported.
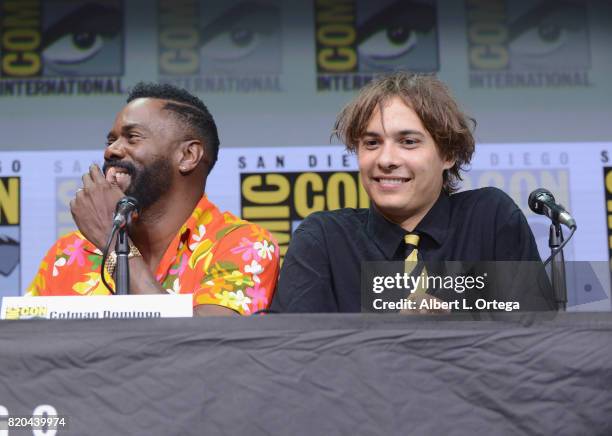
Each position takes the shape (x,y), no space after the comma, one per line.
(412,251)
(411,266)
(412,262)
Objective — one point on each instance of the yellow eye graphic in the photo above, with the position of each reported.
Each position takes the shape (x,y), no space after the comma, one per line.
(388,43)
(74,48)
(540,40)
(233,44)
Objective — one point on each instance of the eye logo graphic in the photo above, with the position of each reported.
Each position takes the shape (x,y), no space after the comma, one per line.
(244,38)
(520,43)
(230,46)
(57,47)
(356,39)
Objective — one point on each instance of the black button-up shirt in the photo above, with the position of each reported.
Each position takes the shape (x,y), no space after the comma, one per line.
(322,269)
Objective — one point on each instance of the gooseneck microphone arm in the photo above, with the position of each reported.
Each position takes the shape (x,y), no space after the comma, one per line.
(542,202)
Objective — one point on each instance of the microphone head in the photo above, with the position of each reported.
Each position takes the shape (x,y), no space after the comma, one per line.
(129,202)
(126,211)
(537,197)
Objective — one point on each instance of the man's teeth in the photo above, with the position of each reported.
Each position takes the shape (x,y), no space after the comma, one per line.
(392,181)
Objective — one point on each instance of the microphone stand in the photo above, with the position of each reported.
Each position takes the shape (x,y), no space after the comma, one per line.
(126,207)
(557,266)
(122,272)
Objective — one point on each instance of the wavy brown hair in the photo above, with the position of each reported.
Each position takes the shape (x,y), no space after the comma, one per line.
(432,101)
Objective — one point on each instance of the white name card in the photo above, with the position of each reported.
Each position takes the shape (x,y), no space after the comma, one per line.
(98,307)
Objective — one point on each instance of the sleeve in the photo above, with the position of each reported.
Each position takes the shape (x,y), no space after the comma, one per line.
(305,282)
(240,272)
(520,276)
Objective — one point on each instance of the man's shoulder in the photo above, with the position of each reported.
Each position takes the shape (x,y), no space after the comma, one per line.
(487,208)
(330,219)
(229,224)
(218,223)
(487,198)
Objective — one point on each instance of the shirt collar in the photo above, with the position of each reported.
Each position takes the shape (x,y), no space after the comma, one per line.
(388,235)
(196,217)
(435,223)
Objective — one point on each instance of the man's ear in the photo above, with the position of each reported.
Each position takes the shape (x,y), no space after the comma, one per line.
(191,153)
(449,164)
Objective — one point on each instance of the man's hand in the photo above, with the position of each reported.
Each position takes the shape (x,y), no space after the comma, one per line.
(94,206)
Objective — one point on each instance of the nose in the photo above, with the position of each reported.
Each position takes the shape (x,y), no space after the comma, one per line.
(387,158)
(114,151)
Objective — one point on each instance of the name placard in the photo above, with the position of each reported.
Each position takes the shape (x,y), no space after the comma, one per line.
(98,307)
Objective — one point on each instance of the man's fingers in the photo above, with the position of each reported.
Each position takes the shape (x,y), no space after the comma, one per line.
(95,177)
(113,179)
(96,173)
(72,207)
(87,181)
(111,176)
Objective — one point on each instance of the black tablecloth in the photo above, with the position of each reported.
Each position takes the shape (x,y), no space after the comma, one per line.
(314,375)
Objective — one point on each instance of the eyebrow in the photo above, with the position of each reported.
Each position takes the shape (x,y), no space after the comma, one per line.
(400,133)
(127,128)
(409,132)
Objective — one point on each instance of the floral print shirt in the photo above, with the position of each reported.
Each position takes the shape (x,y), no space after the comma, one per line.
(217,257)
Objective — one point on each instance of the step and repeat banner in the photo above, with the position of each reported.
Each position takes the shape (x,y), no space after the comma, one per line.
(277,67)
(277,187)
(274,73)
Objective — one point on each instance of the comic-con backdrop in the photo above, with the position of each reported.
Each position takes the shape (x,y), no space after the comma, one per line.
(534,73)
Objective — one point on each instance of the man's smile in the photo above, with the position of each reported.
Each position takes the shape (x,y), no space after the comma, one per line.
(119,175)
(390,182)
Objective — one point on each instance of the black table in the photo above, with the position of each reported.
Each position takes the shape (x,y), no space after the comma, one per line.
(315,374)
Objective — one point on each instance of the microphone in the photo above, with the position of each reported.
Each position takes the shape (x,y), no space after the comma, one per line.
(542,202)
(126,207)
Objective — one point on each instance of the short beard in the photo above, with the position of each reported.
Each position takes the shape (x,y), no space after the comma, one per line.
(151,183)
